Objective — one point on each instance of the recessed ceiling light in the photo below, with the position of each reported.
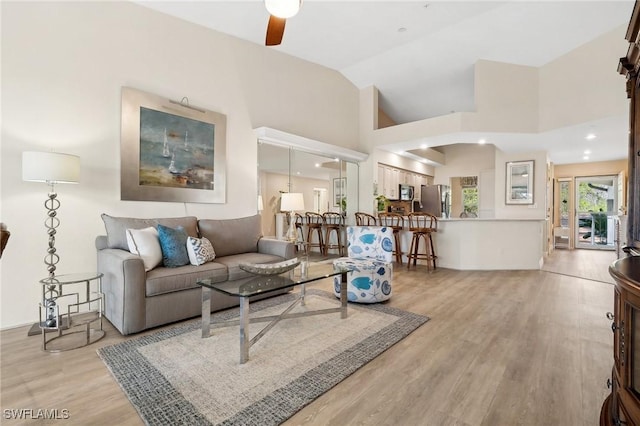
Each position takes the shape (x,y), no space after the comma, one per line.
(587,152)
(336,159)
(482,141)
(317,164)
(590,136)
(586,157)
(400,152)
(423,146)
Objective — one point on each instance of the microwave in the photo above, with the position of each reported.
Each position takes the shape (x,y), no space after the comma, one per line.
(406,192)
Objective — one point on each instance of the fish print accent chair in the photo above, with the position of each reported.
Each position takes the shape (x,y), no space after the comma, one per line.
(370,250)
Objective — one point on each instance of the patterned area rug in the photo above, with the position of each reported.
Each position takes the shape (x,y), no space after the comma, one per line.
(176,377)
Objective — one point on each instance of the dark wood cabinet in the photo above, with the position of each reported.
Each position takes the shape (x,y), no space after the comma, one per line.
(629,66)
(622,406)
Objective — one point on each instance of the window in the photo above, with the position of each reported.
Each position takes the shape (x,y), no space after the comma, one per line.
(470,200)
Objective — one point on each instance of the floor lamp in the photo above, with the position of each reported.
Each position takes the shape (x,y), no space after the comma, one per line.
(50,168)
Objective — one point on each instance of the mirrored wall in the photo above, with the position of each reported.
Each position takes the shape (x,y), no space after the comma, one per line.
(328,184)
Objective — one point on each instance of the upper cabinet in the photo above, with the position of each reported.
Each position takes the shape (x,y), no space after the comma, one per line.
(390,178)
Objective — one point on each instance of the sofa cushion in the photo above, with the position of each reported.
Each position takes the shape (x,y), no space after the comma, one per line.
(173,242)
(232,236)
(163,280)
(116,227)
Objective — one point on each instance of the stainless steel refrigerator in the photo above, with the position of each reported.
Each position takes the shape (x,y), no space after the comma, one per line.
(435,200)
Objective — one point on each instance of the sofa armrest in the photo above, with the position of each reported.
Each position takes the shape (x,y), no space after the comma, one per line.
(102,242)
(123,285)
(284,249)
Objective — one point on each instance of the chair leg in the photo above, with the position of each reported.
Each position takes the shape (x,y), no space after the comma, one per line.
(310,239)
(323,246)
(410,255)
(433,252)
(396,238)
(327,239)
(339,246)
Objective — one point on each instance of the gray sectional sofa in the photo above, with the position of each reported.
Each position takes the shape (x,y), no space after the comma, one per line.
(136,299)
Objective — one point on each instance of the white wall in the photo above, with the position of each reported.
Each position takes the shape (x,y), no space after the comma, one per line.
(529,211)
(63,65)
(464,160)
(583,85)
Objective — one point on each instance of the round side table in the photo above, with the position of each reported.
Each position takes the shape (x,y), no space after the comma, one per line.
(72,312)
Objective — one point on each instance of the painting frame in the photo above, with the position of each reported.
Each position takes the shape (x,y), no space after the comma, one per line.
(339,191)
(195,183)
(519,182)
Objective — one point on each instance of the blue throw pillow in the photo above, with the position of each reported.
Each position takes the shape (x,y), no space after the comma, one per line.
(173,242)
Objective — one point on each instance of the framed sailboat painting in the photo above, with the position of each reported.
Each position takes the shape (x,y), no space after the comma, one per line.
(170,150)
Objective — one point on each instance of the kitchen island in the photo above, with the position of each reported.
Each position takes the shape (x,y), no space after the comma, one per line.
(485,244)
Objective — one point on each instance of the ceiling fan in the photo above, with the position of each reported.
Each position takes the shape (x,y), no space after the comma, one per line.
(279,10)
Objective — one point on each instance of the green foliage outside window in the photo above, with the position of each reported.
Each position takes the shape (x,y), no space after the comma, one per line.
(591,199)
(470,200)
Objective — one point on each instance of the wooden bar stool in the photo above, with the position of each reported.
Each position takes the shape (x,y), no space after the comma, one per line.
(395,222)
(365,219)
(422,225)
(314,224)
(333,222)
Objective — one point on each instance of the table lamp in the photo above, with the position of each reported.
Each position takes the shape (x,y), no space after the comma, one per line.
(51,168)
(291,202)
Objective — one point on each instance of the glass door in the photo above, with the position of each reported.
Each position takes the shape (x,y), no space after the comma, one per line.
(596,210)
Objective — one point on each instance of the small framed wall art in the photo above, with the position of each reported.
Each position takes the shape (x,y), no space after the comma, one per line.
(519,182)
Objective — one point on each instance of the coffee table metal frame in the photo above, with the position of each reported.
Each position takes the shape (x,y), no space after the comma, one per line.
(255,285)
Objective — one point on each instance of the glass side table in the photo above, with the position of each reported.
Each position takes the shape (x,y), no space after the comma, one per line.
(64,314)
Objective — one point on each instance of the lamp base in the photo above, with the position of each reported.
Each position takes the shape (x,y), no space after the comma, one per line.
(292,232)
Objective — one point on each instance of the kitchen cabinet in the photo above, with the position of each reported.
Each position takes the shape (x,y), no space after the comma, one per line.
(622,405)
(390,178)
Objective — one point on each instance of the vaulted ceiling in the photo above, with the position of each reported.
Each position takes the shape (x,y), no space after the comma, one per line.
(421,54)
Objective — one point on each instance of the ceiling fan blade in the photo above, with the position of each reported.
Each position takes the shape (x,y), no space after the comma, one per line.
(275,31)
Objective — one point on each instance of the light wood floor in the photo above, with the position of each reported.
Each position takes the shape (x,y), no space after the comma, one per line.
(502,348)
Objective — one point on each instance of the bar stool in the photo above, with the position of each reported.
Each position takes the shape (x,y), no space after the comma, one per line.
(333,222)
(395,222)
(365,219)
(422,225)
(314,224)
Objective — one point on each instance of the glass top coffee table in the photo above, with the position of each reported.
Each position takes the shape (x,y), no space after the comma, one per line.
(244,288)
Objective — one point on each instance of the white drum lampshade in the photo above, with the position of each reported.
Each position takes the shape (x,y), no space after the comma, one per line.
(292,201)
(50,167)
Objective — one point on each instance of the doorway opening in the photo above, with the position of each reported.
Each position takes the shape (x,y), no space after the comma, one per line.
(320,202)
(596,210)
